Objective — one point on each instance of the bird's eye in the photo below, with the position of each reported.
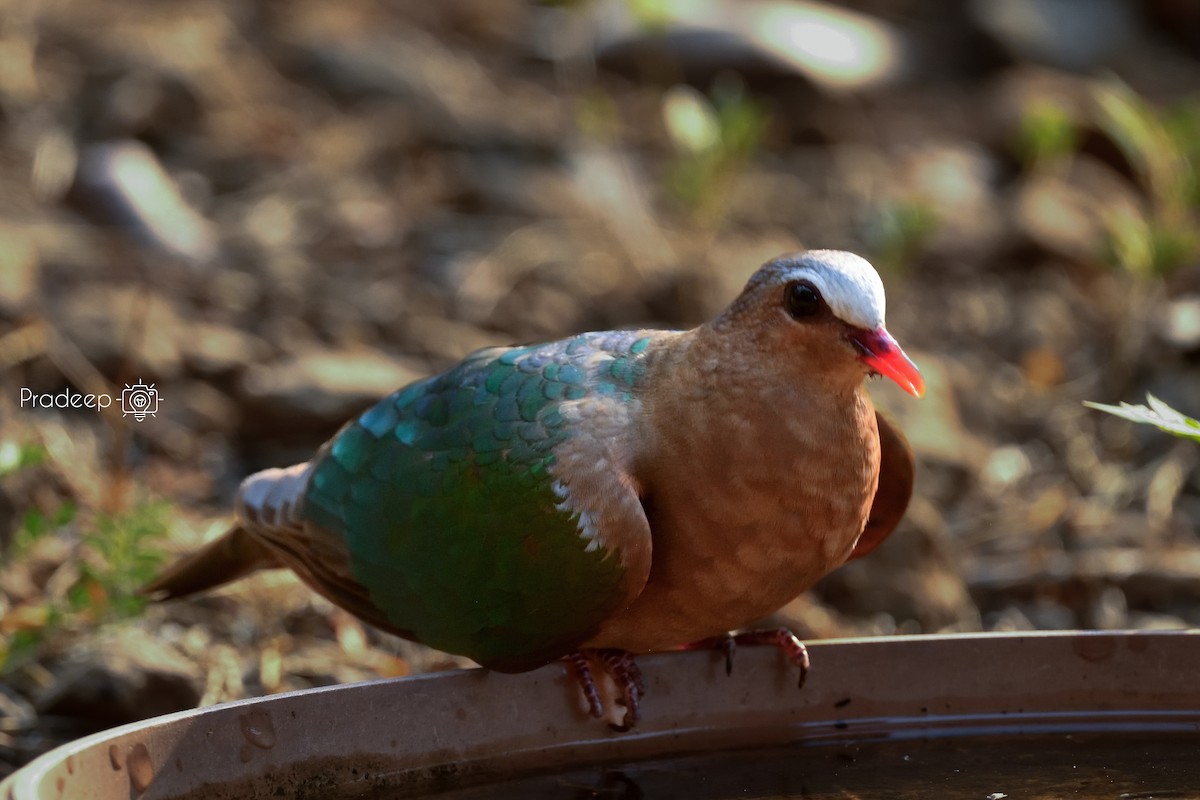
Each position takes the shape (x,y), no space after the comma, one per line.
(802,300)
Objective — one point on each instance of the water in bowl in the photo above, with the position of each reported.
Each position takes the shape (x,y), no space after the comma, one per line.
(1109,765)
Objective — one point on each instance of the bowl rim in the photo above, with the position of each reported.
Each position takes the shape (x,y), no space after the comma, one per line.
(464,724)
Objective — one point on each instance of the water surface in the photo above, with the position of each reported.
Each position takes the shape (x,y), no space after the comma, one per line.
(1112,766)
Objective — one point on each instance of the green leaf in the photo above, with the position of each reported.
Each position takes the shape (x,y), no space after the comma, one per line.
(1156,413)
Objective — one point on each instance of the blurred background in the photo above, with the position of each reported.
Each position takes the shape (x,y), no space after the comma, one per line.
(262,216)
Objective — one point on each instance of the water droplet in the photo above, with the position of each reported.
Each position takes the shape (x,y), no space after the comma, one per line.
(1094,648)
(70,763)
(116,757)
(141,768)
(258,729)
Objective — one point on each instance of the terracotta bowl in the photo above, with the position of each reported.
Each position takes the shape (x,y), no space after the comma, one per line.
(412,736)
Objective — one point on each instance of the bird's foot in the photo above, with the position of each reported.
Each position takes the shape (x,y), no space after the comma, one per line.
(623,679)
(793,649)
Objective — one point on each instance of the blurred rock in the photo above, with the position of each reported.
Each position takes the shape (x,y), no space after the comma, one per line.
(537,311)
(449,245)
(26,582)
(451,96)
(448,340)
(933,426)
(1109,610)
(1007,620)
(213,350)
(934,597)
(200,408)
(144,103)
(1079,35)
(273,222)
(957,185)
(235,291)
(124,676)
(322,663)
(1047,615)
(1158,622)
(113,324)
(1179,324)
(834,48)
(122,183)
(619,194)
(16,713)
(518,186)
(19,270)
(18,47)
(498,287)
(55,161)
(368,216)
(770,192)
(61,241)
(1150,580)
(1067,214)
(320,388)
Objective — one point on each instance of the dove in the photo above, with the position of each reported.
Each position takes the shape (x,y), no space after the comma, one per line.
(604,495)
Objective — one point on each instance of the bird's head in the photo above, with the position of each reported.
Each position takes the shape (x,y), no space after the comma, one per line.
(828,305)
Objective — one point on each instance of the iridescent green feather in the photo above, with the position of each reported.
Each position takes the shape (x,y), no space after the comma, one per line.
(443,494)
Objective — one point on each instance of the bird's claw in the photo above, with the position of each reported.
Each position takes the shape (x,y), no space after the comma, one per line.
(624,671)
(587,684)
(727,643)
(793,649)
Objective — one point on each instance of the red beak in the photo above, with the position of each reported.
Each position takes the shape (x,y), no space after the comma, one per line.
(881,353)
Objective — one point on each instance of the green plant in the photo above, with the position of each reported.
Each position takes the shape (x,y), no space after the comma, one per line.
(897,231)
(714,138)
(36,523)
(125,556)
(114,555)
(651,15)
(1148,246)
(1183,126)
(1048,134)
(1162,150)
(15,457)
(1156,413)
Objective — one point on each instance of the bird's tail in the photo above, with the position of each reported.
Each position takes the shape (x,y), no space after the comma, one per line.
(268,506)
(234,555)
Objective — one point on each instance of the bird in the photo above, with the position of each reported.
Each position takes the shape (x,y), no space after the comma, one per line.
(605,495)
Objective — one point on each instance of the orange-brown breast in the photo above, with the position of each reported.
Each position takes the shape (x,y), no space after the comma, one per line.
(752,495)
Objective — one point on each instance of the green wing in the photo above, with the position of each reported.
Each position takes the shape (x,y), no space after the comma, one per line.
(444,497)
